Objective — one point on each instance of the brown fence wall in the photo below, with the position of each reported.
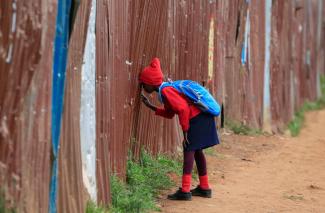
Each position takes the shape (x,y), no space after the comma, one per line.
(293,58)
(221,44)
(72,195)
(25,101)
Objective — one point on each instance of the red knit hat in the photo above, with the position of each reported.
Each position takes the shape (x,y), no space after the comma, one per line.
(152,74)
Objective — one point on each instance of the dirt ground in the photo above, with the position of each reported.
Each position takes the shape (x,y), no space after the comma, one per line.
(264,174)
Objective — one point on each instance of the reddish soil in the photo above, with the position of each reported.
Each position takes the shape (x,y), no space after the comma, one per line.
(264,174)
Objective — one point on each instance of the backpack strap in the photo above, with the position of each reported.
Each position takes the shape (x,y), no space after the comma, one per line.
(162,86)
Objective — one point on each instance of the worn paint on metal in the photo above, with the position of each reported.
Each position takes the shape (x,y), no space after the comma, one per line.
(72,194)
(245,48)
(13,29)
(266,93)
(59,68)
(88,108)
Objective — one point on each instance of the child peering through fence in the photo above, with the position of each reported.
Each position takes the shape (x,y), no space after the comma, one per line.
(196,109)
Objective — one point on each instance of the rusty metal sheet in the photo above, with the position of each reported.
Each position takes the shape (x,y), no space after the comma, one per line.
(322,42)
(179,33)
(112,91)
(231,23)
(102,108)
(183,52)
(146,43)
(293,58)
(297,54)
(321,53)
(25,94)
(259,58)
(320,60)
(255,83)
(72,195)
(280,66)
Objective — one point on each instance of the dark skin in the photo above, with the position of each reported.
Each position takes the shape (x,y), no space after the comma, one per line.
(150,89)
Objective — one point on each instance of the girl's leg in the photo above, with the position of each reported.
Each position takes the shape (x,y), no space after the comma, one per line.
(187,170)
(202,169)
(184,193)
(200,162)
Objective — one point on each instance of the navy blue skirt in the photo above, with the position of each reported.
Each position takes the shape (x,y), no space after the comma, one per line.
(202,132)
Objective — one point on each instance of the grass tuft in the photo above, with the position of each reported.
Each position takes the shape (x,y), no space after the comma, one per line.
(145,179)
(212,152)
(241,129)
(93,208)
(297,122)
(3,207)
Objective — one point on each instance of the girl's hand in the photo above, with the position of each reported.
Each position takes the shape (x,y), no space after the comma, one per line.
(186,142)
(146,102)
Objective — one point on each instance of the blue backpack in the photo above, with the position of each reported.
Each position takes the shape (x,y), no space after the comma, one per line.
(196,93)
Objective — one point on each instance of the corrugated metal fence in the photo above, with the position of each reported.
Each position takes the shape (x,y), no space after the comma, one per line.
(261,60)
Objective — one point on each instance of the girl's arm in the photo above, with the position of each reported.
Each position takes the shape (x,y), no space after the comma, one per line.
(159,111)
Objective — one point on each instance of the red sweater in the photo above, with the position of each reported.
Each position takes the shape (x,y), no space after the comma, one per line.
(177,103)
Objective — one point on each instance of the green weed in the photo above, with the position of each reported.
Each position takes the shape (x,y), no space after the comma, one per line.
(209,151)
(241,129)
(296,123)
(3,207)
(212,152)
(93,208)
(145,179)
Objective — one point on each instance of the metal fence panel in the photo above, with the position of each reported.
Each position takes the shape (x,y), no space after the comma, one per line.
(261,60)
(26,36)
(72,195)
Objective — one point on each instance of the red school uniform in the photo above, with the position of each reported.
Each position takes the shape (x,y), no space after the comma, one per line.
(177,103)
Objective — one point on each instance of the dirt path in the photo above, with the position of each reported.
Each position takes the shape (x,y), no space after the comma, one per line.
(265,174)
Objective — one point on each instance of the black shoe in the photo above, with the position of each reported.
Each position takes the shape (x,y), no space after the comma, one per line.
(207,193)
(180,195)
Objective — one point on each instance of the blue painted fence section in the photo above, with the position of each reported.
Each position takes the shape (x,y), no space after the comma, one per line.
(245,47)
(59,69)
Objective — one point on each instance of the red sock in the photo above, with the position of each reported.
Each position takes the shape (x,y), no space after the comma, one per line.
(186,182)
(204,183)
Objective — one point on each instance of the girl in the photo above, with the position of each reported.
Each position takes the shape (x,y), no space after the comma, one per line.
(199,130)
